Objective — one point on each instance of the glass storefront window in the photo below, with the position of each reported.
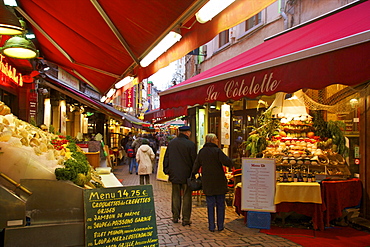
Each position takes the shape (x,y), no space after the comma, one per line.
(214,123)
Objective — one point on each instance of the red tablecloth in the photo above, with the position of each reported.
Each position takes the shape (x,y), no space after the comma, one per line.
(313,210)
(336,196)
(238,201)
(310,209)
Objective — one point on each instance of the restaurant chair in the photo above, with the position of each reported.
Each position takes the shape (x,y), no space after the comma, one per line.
(113,156)
(232,182)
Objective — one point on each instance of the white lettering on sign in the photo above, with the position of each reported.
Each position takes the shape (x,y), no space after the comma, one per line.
(211,94)
(68,79)
(238,89)
(10,72)
(234,88)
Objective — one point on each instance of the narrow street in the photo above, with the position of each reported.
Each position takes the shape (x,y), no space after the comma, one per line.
(170,234)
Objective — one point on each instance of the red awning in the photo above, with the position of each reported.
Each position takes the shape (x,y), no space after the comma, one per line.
(160,116)
(103,41)
(126,119)
(333,50)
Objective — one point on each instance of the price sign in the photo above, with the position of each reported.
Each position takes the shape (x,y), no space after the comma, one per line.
(120,217)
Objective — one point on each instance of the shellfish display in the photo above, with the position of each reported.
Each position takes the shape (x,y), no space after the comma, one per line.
(26,151)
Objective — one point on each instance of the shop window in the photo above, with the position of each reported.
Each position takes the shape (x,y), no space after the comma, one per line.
(223,38)
(253,21)
(214,123)
(243,123)
(115,139)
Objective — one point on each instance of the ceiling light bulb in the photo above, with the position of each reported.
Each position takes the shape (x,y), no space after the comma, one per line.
(111,92)
(12,3)
(211,9)
(123,82)
(169,40)
(104,98)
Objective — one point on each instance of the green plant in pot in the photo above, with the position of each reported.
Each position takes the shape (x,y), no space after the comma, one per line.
(258,138)
(331,134)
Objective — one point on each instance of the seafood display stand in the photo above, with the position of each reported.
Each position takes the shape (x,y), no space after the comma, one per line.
(37,209)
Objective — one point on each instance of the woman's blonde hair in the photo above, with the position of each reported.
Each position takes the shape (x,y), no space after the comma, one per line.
(210,137)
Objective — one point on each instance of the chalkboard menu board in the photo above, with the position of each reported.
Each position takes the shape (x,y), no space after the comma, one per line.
(120,217)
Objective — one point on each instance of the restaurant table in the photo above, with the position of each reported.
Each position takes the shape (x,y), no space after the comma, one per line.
(298,192)
(303,198)
(335,196)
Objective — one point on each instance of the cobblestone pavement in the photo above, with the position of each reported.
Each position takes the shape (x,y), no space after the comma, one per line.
(170,234)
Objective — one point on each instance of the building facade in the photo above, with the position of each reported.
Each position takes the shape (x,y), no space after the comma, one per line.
(281,16)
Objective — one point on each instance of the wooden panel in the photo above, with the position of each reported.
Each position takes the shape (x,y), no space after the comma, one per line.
(364,151)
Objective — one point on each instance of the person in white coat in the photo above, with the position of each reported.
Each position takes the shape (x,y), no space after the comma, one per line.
(144,157)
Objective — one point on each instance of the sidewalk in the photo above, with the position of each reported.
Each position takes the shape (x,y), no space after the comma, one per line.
(171,234)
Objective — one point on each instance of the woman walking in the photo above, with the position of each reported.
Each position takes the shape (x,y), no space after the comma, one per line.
(211,159)
(144,157)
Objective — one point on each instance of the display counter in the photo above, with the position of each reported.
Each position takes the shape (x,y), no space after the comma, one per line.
(335,196)
(108,178)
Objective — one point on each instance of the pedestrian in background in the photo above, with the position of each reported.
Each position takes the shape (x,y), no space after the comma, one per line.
(123,143)
(137,142)
(125,139)
(214,183)
(178,164)
(162,140)
(144,157)
(131,159)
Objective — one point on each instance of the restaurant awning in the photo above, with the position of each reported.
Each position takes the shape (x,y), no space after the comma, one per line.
(127,120)
(101,42)
(160,115)
(332,50)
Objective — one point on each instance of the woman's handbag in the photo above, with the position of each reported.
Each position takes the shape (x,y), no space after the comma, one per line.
(195,183)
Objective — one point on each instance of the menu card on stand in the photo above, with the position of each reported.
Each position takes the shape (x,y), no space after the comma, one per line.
(258,185)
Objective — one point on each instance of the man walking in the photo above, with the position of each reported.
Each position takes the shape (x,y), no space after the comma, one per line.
(178,163)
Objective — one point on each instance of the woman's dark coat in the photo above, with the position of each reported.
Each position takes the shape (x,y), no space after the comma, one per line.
(179,159)
(211,159)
